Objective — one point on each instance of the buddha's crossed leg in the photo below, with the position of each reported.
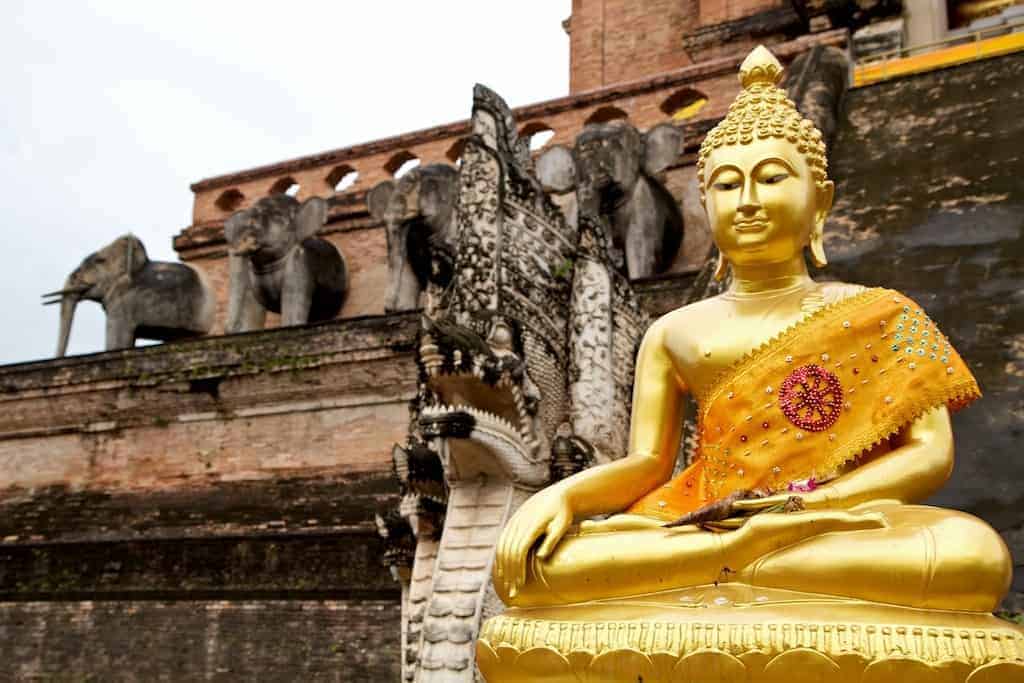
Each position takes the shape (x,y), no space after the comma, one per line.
(927,557)
(908,555)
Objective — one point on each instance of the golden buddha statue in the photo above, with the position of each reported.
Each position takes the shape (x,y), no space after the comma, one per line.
(824,420)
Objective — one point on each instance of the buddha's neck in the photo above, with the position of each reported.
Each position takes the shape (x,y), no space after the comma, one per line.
(767,279)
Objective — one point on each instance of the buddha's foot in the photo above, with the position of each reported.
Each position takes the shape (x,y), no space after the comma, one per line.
(735,633)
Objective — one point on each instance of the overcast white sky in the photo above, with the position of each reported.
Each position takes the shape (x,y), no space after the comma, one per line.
(113,108)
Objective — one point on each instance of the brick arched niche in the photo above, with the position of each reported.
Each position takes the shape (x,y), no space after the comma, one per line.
(229,200)
(401,163)
(286,185)
(454,153)
(684,104)
(538,133)
(342,178)
(606,114)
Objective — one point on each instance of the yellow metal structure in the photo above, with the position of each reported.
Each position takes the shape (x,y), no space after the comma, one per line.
(893,65)
(854,581)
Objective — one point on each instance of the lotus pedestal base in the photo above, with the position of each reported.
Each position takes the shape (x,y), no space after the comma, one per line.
(739,634)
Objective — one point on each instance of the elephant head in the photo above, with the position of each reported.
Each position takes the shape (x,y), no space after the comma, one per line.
(94,279)
(267,232)
(614,170)
(416,211)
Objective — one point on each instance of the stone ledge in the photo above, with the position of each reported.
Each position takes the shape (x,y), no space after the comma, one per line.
(269,509)
(201,640)
(318,563)
(246,353)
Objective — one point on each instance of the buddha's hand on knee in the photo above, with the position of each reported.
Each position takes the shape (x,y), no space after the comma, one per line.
(548,515)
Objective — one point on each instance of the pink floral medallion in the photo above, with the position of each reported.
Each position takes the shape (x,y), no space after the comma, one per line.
(811,398)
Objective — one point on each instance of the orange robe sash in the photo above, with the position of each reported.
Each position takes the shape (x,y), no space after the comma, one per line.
(814,398)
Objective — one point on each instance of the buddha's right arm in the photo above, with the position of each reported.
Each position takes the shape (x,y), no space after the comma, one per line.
(655,428)
(612,487)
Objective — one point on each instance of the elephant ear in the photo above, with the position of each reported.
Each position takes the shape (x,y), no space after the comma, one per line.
(662,146)
(310,218)
(556,169)
(377,199)
(135,257)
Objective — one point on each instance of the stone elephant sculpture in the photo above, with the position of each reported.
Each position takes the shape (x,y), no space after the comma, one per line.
(278,264)
(613,170)
(142,299)
(817,81)
(417,214)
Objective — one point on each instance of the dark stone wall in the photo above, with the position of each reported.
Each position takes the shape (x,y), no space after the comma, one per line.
(930,201)
(200,640)
(123,557)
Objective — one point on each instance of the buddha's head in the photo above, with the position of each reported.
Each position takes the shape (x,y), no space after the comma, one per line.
(762,174)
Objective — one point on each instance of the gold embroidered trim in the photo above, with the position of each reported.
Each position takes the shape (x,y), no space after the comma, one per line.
(716,385)
(850,441)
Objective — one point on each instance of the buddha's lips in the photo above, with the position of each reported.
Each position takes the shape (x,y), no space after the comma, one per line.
(750,226)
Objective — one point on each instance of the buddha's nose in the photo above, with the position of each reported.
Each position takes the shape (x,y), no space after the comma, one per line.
(748,198)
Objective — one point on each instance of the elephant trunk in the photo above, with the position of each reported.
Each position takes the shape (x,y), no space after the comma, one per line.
(403,287)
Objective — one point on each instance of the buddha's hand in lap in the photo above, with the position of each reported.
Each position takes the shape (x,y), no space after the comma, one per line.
(546,514)
(809,501)
(771,531)
(622,522)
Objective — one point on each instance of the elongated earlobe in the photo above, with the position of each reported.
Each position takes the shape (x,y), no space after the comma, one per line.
(721,267)
(826,193)
(817,246)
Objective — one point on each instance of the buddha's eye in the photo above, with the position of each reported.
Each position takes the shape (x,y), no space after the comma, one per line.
(775,178)
(725,186)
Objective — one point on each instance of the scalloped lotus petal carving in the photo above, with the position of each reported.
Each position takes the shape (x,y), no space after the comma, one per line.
(710,665)
(814,667)
(545,664)
(620,665)
(908,669)
(998,672)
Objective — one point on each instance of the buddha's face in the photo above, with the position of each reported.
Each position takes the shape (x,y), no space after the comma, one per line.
(762,202)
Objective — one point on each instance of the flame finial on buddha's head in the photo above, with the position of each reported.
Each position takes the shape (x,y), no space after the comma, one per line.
(760,66)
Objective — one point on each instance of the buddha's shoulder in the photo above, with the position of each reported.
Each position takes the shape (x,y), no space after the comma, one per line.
(688,313)
(832,292)
(683,323)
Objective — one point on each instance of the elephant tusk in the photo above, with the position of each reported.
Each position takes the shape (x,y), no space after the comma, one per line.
(63,292)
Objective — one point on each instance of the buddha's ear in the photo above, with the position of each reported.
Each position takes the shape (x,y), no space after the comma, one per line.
(826,191)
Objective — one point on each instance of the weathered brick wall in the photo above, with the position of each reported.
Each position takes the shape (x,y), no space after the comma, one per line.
(617,41)
(325,399)
(614,41)
(930,201)
(204,510)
